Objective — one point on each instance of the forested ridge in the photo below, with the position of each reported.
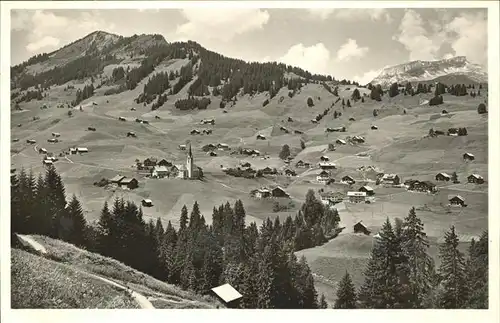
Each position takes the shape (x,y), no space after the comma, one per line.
(259,262)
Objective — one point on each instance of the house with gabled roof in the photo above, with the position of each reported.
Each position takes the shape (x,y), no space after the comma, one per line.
(117,179)
(227,295)
(475,178)
(348,180)
(323,177)
(129,183)
(361,228)
(456,200)
(356,197)
(443,177)
(327,165)
(367,189)
(279,192)
(468,156)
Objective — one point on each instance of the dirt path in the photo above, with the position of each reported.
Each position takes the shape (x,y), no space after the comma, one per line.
(139,298)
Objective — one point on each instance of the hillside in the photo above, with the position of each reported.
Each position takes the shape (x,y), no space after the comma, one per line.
(456,70)
(118,83)
(61,275)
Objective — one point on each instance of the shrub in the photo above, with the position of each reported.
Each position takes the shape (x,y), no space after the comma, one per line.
(310,102)
(265,103)
(481,108)
(437,100)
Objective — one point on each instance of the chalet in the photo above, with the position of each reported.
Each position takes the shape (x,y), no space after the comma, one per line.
(356,197)
(159,172)
(31,141)
(82,150)
(131,134)
(165,163)
(262,193)
(456,200)
(132,109)
(150,162)
(246,164)
(352,119)
(91,129)
(340,142)
(290,119)
(224,111)
(268,170)
(53,159)
(15,140)
(453,132)
(157,117)
(279,192)
(300,164)
(391,179)
(298,132)
(72,151)
(475,178)
(226,294)
(195,132)
(138,120)
(207,131)
(208,121)
(443,177)
(374,127)
(53,140)
(284,129)
(261,137)
(212,153)
(147,202)
(314,121)
(444,112)
(348,180)
(255,152)
(468,156)
(323,177)
(42,151)
(324,158)
(336,129)
(332,198)
(222,146)
(182,147)
(56,134)
(421,186)
(47,162)
(145,122)
(122,119)
(290,172)
(358,139)
(367,189)
(208,147)
(117,179)
(327,166)
(129,183)
(361,228)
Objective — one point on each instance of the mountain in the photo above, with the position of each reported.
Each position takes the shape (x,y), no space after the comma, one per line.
(448,71)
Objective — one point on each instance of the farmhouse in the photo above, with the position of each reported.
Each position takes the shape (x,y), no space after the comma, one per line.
(302,164)
(420,186)
(358,139)
(138,120)
(475,178)
(195,132)
(208,147)
(361,228)
(229,296)
(443,177)
(279,192)
(327,166)
(284,129)
(324,158)
(331,198)
(150,162)
(245,164)
(31,141)
(208,121)
(348,180)
(222,146)
(159,172)
(207,131)
(182,147)
(91,129)
(356,197)
(367,189)
(131,134)
(391,179)
(340,142)
(262,193)
(212,153)
(336,129)
(468,156)
(456,200)
(165,163)
(453,132)
(56,134)
(129,183)
(82,150)
(290,172)
(323,177)
(47,162)
(374,127)
(261,137)
(117,179)
(53,140)
(122,119)
(147,202)
(314,121)
(298,132)
(42,151)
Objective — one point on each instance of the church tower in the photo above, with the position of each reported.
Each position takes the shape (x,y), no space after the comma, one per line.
(189,163)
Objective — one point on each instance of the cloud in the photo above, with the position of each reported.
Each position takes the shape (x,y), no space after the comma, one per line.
(367,77)
(373,14)
(466,34)
(315,58)
(469,37)
(46,30)
(221,24)
(45,42)
(349,50)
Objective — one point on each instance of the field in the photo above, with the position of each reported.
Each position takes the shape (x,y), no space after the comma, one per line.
(66,278)
(400,145)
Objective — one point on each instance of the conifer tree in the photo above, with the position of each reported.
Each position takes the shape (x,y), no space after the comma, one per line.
(346,293)
(477,273)
(452,271)
(322,302)
(417,265)
(73,223)
(184,219)
(348,103)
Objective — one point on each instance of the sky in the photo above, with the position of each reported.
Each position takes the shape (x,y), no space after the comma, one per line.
(354,44)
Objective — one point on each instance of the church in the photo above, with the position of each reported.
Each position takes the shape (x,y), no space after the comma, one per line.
(189,170)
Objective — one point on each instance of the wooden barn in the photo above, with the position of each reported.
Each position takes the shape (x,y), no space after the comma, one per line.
(361,228)
(227,295)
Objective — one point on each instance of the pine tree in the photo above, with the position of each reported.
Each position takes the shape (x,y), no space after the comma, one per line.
(346,294)
(477,273)
(322,302)
(73,224)
(285,152)
(417,265)
(184,219)
(453,273)
(348,103)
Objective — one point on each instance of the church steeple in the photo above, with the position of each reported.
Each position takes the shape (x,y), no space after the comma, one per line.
(189,163)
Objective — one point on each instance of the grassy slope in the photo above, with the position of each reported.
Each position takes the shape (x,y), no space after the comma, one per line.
(67,264)
(397,146)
